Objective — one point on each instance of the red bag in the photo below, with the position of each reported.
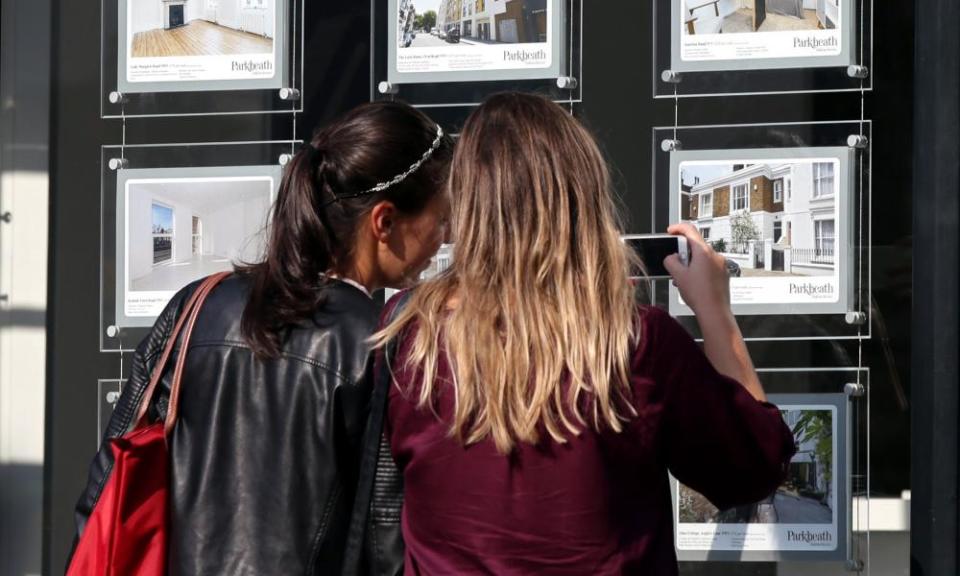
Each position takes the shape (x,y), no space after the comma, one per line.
(127,531)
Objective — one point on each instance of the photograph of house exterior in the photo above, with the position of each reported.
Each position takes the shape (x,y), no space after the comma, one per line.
(807,495)
(473,40)
(774,219)
(184,28)
(484,22)
(745,16)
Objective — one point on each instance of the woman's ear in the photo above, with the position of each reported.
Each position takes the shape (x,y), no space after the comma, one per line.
(383,219)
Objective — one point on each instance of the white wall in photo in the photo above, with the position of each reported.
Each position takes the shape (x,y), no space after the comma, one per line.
(226,231)
(145,15)
(232,216)
(140,240)
(254,16)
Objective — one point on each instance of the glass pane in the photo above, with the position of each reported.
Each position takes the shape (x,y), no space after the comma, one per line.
(151,209)
(198,57)
(716,47)
(475,49)
(788,281)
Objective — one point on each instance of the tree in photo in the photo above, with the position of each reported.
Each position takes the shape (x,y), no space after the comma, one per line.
(426,21)
(816,428)
(743,230)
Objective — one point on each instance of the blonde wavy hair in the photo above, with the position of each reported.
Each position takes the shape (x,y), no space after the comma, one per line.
(536,314)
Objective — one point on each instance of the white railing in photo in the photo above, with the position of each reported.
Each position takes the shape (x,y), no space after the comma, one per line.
(772,257)
(812,255)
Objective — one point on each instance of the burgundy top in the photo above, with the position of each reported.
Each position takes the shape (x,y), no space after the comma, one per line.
(601,503)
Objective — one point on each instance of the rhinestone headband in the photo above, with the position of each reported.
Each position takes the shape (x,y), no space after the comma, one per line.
(399,177)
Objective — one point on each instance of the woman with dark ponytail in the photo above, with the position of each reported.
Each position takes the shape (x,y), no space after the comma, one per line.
(264,455)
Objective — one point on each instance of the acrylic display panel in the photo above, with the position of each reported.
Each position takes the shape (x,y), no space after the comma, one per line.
(760,46)
(788,208)
(175,215)
(108,394)
(475,48)
(807,518)
(817,514)
(782,219)
(182,57)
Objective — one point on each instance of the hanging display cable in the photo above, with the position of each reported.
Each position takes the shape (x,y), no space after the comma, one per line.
(857,563)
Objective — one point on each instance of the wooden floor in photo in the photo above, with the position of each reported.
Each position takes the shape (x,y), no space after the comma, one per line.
(198,38)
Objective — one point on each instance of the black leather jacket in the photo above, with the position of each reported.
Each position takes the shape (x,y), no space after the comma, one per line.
(264,454)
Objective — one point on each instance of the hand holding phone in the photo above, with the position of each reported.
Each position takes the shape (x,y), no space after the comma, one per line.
(653,250)
(703,281)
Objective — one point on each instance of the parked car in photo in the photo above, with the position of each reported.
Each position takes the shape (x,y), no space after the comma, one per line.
(442,34)
(453,36)
(733,269)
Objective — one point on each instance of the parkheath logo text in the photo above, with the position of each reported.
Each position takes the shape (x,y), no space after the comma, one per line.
(816,43)
(809,537)
(252,66)
(524,55)
(811,289)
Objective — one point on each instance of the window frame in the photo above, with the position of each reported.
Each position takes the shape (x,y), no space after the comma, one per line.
(154,235)
(819,178)
(820,240)
(703,212)
(195,235)
(746,197)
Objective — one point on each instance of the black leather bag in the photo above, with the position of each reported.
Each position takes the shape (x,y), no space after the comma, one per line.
(374,543)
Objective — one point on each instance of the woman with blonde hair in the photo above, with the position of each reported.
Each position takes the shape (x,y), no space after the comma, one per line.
(536,408)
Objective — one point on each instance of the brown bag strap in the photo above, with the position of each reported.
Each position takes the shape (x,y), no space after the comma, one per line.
(199,295)
(174,402)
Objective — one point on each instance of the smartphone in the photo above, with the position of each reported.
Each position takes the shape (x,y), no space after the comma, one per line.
(653,249)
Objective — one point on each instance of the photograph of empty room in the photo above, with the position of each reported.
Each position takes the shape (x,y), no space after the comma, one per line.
(179,28)
(180,230)
(743,16)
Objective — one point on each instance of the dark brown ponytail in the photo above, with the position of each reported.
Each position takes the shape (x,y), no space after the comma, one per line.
(316,215)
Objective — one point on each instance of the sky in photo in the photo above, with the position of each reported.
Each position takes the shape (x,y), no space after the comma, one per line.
(688,173)
(162,218)
(422,6)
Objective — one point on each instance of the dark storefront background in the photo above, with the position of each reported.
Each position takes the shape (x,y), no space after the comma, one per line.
(617,105)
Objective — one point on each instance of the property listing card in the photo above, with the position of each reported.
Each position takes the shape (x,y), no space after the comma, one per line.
(800,516)
(178,225)
(774,221)
(713,30)
(195,41)
(443,36)
(780,217)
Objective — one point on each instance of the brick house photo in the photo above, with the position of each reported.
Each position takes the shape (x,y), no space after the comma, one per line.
(494,21)
(772,220)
